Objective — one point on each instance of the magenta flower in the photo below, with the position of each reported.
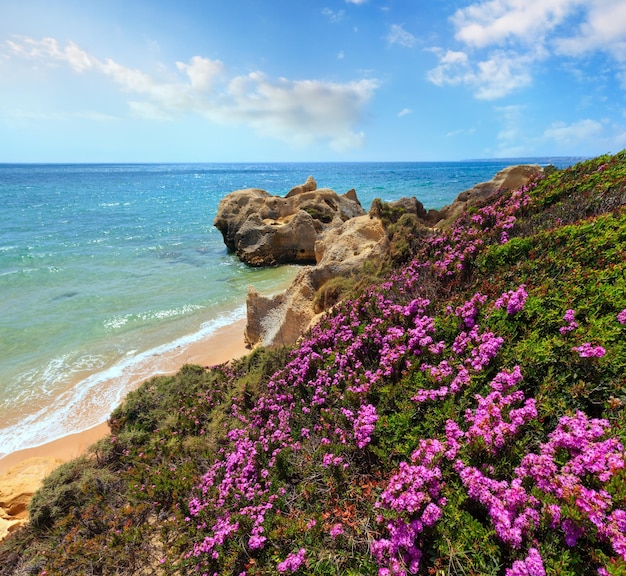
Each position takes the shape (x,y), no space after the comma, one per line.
(621,317)
(364,425)
(336,530)
(532,565)
(586,350)
(292,562)
(514,300)
(571,323)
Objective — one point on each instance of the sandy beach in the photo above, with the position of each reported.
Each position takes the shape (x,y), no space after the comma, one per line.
(21,472)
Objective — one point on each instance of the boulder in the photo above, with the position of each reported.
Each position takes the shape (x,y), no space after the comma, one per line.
(281,319)
(269,242)
(309,186)
(265,230)
(411,205)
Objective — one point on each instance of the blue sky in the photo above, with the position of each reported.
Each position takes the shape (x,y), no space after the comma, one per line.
(304,80)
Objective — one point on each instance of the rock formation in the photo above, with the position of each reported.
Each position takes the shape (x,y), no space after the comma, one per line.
(321,227)
(281,319)
(510,178)
(265,230)
(17,487)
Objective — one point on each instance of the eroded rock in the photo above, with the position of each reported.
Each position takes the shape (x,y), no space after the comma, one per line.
(17,487)
(339,247)
(265,230)
(281,319)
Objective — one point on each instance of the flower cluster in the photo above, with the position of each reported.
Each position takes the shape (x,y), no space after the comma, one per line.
(292,562)
(487,422)
(513,300)
(532,565)
(515,513)
(449,253)
(336,530)
(364,425)
(621,317)
(587,350)
(571,323)
(413,492)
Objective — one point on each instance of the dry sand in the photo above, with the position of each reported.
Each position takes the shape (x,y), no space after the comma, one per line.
(22,472)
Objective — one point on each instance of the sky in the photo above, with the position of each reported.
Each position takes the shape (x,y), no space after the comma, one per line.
(307,80)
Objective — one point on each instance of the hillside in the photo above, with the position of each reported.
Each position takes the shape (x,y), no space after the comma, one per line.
(464,414)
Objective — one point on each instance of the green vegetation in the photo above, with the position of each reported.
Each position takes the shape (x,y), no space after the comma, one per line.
(465,415)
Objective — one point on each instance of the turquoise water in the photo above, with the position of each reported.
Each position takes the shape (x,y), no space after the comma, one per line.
(104,269)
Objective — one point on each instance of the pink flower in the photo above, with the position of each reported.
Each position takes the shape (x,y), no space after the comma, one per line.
(336,530)
(586,350)
(292,562)
(571,323)
(514,300)
(621,317)
(531,566)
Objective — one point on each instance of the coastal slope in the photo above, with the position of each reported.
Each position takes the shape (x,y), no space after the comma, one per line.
(473,393)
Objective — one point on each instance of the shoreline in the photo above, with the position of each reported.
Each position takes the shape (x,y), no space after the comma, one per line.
(223,345)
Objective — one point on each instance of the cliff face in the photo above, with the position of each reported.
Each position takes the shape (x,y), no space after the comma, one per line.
(17,487)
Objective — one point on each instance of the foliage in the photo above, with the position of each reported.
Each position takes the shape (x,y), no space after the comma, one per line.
(465,415)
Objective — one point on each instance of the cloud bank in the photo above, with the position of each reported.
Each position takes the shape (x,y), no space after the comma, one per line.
(502,42)
(300,112)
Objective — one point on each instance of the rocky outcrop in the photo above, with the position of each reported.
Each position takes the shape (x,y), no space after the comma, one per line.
(281,319)
(17,487)
(264,230)
(510,178)
(339,247)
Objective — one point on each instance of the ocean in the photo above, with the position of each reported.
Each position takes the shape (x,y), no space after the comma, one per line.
(105,268)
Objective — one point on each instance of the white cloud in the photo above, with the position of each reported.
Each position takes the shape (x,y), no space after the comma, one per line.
(49,49)
(398,35)
(356,1)
(604,29)
(454,68)
(300,112)
(496,22)
(461,132)
(505,41)
(499,75)
(572,134)
(334,16)
(202,72)
(404,112)
(586,135)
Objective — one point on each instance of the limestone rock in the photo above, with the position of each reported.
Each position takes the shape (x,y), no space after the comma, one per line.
(265,230)
(17,487)
(234,209)
(343,241)
(268,242)
(309,186)
(281,319)
(350,245)
(412,206)
(510,178)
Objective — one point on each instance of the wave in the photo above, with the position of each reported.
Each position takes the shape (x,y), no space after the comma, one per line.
(90,401)
(121,320)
